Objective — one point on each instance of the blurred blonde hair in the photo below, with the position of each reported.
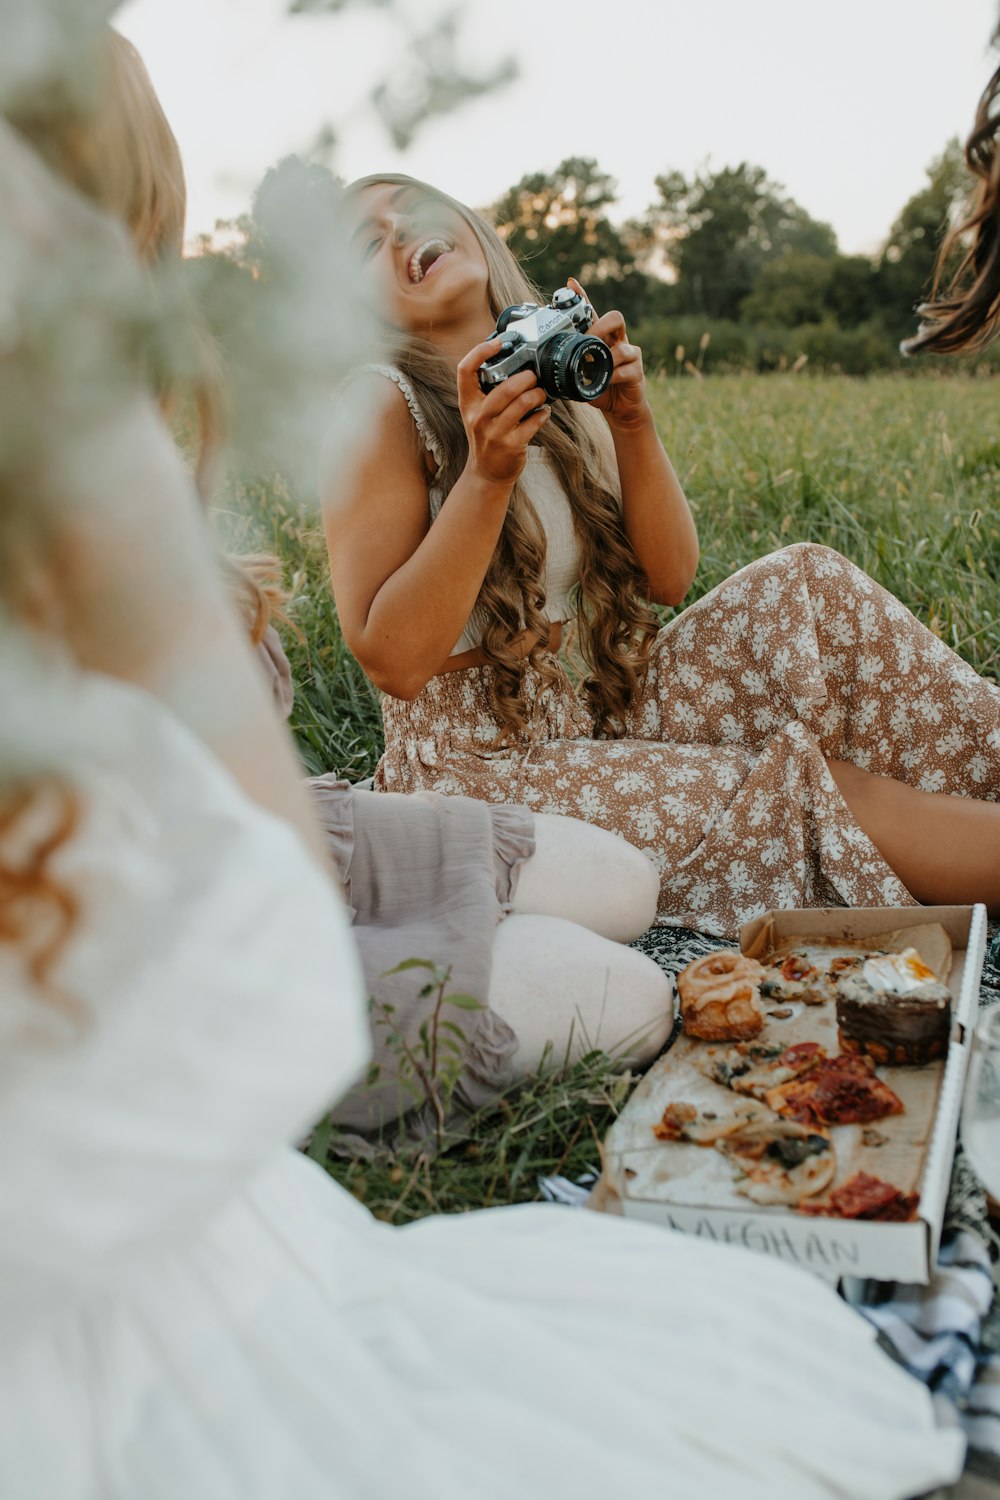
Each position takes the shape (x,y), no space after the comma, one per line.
(615,624)
(117,148)
(120,151)
(38,911)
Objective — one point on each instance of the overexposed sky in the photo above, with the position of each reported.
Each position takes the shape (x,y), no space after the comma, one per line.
(844,102)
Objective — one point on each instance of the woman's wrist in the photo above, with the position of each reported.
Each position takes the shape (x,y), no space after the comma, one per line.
(632,421)
(487,487)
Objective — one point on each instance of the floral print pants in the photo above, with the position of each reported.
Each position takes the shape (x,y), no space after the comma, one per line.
(722,777)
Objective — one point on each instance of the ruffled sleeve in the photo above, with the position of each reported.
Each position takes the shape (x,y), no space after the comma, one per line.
(428,437)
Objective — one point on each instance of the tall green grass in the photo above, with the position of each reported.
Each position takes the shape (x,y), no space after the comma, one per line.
(901,475)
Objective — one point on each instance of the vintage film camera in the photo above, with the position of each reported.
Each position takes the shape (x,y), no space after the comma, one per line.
(553,341)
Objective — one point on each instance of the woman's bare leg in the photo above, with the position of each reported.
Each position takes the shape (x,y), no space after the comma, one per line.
(943,848)
(587,875)
(565,990)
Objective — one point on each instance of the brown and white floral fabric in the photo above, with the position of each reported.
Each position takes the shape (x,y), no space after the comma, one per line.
(722,779)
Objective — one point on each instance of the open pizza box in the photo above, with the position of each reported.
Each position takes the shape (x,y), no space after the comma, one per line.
(643,1178)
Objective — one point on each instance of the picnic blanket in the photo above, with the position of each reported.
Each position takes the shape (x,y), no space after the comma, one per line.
(947,1334)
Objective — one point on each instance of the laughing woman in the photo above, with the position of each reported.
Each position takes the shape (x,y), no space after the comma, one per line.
(796,737)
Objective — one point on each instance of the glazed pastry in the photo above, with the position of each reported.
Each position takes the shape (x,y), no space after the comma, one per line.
(720,997)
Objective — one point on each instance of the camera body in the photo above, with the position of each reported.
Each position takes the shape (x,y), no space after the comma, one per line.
(569,364)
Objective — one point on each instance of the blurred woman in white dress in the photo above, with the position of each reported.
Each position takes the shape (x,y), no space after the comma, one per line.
(502,898)
(187,1306)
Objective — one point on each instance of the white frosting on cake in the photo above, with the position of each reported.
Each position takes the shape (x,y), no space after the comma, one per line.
(898,973)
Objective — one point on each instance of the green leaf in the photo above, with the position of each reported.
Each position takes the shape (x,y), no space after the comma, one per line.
(320,1143)
(464,1002)
(454,1028)
(411,963)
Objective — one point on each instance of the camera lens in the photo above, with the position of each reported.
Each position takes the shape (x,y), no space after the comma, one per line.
(591,368)
(575,366)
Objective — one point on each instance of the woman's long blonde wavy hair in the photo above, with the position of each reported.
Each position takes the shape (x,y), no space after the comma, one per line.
(615,625)
(119,150)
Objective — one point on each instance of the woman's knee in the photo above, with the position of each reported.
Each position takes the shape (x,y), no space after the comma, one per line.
(854,784)
(811,554)
(588,875)
(565,991)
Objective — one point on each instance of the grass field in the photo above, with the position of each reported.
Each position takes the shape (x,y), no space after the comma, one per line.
(901,475)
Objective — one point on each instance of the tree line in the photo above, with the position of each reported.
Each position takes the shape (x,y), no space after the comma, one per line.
(725,269)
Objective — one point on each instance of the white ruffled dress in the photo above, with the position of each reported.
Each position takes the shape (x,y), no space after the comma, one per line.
(189,1310)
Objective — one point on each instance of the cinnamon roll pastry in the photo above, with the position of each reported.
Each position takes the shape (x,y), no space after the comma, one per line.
(720,997)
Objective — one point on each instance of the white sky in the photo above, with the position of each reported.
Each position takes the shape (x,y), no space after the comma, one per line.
(845,102)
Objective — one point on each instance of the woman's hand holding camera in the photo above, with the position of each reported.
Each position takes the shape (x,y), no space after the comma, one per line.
(500,425)
(624,402)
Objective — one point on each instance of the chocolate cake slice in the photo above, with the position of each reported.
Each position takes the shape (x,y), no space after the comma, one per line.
(894,1010)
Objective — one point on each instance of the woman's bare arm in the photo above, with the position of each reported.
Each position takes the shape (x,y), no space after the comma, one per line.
(405,587)
(657,517)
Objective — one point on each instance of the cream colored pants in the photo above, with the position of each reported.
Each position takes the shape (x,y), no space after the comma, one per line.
(562,978)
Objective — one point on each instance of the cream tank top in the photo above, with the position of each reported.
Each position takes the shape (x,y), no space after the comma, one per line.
(542,486)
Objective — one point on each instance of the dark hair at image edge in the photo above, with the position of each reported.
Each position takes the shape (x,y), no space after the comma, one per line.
(964,309)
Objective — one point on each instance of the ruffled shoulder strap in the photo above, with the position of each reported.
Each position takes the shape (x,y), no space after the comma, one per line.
(430,441)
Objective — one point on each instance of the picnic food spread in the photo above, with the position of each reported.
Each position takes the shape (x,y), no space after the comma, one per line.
(792,1042)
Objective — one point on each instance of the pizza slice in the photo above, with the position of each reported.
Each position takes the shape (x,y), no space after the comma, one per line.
(755,1069)
(866,1197)
(700,1127)
(843,1090)
(776,1161)
(793,976)
(779,1161)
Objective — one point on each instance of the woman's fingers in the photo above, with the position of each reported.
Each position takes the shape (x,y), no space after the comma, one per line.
(472,397)
(510,391)
(627,376)
(501,422)
(506,422)
(610,328)
(575,286)
(468,370)
(628,363)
